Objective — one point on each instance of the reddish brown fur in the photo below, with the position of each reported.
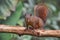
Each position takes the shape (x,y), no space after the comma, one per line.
(34,21)
(38,20)
(41,10)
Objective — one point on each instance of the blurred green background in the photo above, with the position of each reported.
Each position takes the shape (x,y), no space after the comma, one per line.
(12,12)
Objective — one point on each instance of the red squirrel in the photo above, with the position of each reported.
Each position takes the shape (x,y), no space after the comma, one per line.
(34,21)
(38,20)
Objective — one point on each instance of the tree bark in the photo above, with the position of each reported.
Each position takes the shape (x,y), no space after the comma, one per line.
(23,31)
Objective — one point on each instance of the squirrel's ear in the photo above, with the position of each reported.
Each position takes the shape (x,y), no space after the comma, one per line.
(25,14)
(30,14)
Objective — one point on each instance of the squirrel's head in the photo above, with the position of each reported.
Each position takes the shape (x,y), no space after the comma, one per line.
(27,16)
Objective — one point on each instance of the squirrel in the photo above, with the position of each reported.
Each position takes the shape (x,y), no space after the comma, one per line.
(38,20)
(34,21)
(41,10)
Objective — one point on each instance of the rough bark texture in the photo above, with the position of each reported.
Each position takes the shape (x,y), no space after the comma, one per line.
(23,31)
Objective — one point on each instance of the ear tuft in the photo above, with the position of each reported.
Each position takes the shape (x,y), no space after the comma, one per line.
(30,14)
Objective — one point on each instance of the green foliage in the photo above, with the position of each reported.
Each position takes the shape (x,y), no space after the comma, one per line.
(12,20)
(6,6)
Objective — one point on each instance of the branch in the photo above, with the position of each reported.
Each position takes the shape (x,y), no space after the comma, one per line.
(24,31)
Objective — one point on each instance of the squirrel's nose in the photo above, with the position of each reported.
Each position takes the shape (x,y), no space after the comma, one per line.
(28,20)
